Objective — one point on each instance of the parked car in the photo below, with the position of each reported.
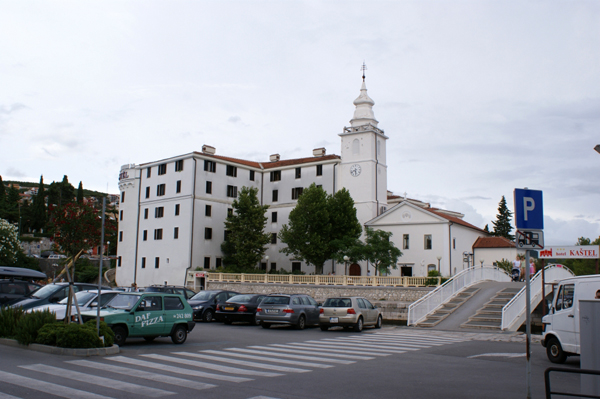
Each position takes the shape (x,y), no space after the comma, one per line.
(240,307)
(51,293)
(87,300)
(296,310)
(171,289)
(205,303)
(13,290)
(147,315)
(349,312)
(57,256)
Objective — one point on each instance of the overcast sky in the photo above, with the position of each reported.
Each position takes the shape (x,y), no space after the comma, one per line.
(477,97)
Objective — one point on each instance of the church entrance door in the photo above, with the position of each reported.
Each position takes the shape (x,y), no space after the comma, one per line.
(354,269)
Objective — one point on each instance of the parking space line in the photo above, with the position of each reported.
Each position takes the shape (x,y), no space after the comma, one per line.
(215,367)
(48,387)
(97,380)
(287,355)
(266,359)
(245,363)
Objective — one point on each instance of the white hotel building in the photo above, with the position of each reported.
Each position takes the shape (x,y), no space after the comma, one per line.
(172,211)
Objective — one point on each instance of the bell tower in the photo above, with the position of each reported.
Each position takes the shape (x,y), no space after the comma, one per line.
(363,170)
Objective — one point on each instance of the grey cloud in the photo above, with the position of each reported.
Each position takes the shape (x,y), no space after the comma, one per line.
(234,119)
(15,173)
(9,109)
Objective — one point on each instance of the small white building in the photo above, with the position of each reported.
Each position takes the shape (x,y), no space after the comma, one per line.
(491,250)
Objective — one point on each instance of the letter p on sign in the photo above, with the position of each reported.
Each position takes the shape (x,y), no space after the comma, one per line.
(528,206)
(529,211)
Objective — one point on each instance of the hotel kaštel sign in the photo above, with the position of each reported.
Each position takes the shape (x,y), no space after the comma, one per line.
(574,252)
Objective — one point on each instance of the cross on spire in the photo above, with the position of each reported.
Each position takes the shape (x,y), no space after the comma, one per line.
(363,68)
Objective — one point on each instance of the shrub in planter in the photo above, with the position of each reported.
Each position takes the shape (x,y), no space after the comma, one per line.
(105,331)
(29,325)
(9,317)
(49,333)
(77,335)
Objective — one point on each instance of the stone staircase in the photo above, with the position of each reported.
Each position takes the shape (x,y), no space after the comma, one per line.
(446,309)
(490,315)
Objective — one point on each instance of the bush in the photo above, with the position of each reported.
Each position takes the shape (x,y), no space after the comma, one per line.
(29,325)
(77,335)
(9,317)
(105,331)
(49,333)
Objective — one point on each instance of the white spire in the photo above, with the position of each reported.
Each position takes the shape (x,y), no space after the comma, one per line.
(363,114)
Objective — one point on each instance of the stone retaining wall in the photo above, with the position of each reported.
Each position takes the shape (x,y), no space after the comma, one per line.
(393,301)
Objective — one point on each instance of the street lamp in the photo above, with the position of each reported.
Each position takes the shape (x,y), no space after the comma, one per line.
(346,259)
(481,261)
(54,267)
(439,258)
(267,263)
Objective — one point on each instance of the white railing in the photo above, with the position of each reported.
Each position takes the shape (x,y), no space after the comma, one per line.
(418,310)
(513,313)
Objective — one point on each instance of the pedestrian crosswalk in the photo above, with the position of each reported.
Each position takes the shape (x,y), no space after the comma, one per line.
(154,375)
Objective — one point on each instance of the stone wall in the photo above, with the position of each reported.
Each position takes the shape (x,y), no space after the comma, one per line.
(393,301)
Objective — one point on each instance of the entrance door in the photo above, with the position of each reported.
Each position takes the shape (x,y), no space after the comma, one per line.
(354,270)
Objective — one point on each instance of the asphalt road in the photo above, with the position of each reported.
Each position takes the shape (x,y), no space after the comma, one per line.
(393,362)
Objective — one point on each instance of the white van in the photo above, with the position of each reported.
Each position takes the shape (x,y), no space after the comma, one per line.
(561,324)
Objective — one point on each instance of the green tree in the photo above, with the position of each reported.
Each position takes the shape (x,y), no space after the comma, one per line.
(80,193)
(12,211)
(10,246)
(246,239)
(67,191)
(76,227)
(502,227)
(39,214)
(345,227)
(381,251)
(2,199)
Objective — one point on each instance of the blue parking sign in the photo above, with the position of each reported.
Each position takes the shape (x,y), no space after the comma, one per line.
(529,210)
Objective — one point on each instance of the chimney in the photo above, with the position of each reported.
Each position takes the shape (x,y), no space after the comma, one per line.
(274,158)
(207,149)
(319,152)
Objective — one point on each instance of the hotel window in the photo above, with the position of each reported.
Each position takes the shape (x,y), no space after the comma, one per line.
(208,210)
(251,175)
(120,215)
(156,262)
(176,233)
(179,165)
(275,195)
(427,244)
(160,190)
(454,246)
(319,170)
(176,209)
(405,241)
(146,213)
(147,192)
(298,173)
(158,234)
(123,196)
(145,235)
(148,172)
(273,238)
(232,191)
(207,262)
(120,236)
(274,217)
(143,263)
(159,212)
(231,171)
(296,192)
(296,266)
(119,261)
(178,186)
(208,187)
(276,175)
(210,166)
(208,233)
(162,169)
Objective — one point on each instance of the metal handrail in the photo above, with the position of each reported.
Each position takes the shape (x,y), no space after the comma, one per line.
(516,306)
(418,310)
(549,391)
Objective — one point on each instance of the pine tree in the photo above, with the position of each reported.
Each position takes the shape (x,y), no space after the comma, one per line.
(39,212)
(2,199)
(80,193)
(487,229)
(502,227)
(67,191)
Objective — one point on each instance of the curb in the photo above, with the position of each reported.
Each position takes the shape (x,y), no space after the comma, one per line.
(53,350)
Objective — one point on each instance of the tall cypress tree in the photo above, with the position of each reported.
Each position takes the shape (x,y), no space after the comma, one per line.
(67,191)
(2,199)
(80,193)
(39,212)
(502,227)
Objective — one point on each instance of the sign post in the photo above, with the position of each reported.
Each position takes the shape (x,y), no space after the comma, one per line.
(529,219)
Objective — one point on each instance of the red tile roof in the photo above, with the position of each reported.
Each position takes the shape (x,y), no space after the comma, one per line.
(493,242)
(269,165)
(454,219)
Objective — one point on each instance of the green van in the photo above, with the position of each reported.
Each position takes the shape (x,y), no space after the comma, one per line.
(147,315)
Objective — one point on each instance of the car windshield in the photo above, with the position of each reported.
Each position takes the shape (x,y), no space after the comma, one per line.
(82,297)
(338,303)
(45,291)
(240,298)
(276,300)
(124,301)
(203,296)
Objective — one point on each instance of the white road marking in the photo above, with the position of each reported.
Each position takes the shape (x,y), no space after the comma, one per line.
(380,348)
(287,355)
(286,348)
(48,387)
(215,367)
(177,370)
(395,340)
(245,363)
(386,344)
(420,336)
(180,382)
(336,349)
(262,358)
(7,396)
(97,380)
(498,355)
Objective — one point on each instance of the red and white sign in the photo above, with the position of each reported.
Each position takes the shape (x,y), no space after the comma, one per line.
(574,252)
(200,274)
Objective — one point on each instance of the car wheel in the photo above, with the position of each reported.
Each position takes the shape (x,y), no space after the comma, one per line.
(555,351)
(179,335)
(120,335)
(255,321)
(324,328)
(227,321)
(379,322)
(301,323)
(359,325)
(149,339)
(265,325)
(207,316)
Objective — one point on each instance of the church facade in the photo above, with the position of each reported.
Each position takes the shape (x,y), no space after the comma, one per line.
(172,211)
